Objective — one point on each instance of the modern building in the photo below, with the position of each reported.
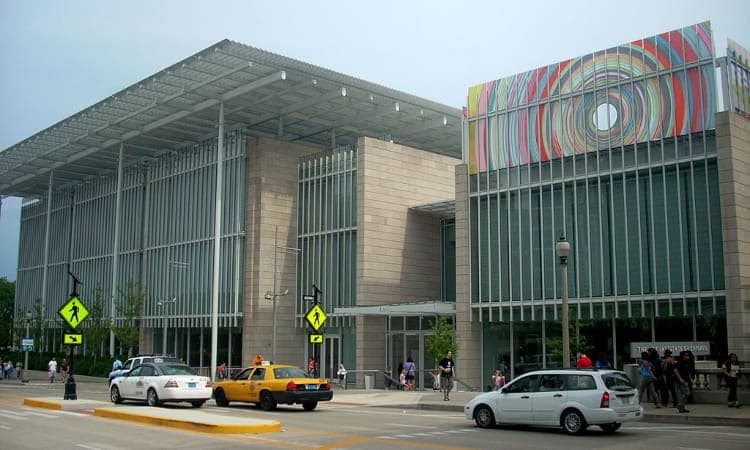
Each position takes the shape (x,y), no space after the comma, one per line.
(228,190)
(622,153)
(220,191)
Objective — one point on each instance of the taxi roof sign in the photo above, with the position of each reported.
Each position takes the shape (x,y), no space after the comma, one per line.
(72,339)
(73,312)
(316,317)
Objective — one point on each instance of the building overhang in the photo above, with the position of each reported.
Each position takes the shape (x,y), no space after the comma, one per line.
(444,209)
(402,309)
(262,94)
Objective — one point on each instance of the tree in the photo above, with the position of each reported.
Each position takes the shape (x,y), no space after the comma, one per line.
(128,306)
(98,325)
(444,339)
(7,298)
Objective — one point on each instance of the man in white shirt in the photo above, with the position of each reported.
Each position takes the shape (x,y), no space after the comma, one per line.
(52,370)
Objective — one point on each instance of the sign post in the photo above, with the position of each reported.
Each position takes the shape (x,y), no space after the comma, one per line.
(73,312)
(315,317)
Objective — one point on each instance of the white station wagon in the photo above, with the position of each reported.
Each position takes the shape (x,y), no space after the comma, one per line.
(569,398)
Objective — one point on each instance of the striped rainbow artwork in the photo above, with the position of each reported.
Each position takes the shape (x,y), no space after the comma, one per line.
(649,89)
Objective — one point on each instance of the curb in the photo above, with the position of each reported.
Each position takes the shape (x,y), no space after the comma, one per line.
(696,420)
(37,403)
(270,426)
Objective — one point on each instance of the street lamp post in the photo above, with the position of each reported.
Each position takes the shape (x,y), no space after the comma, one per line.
(25,374)
(163,304)
(562,247)
(273,295)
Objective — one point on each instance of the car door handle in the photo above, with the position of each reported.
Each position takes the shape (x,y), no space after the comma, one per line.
(557,395)
(524,396)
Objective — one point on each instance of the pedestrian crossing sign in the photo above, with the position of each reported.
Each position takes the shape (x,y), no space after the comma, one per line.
(316,338)
(73,312)
(316,317)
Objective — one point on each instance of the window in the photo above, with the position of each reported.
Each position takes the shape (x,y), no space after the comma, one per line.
(135,372)
(552,383)
(526,384)
(244,375)
(147,371)
(259,375)
(618,382)
(579,382)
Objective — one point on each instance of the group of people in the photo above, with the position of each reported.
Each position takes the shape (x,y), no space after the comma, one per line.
(7,368)
(53,367)
(584,362)
(407,373)
(665,377)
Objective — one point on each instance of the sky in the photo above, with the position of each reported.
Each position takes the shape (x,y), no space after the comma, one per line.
(58,58)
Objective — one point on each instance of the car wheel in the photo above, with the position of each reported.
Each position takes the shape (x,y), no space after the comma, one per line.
(221,398)
(610,428)
(484,417)
(152,398)
(267,403)
(309,406)
(114,395)
(198,403)
(573,422)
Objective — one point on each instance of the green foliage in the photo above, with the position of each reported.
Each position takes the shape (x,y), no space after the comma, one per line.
(97,325)
(129,306)
(444,339)
(7,299)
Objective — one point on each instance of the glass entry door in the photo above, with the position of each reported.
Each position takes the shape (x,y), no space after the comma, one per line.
(330,356)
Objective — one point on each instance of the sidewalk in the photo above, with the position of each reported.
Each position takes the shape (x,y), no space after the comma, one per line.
(700,414)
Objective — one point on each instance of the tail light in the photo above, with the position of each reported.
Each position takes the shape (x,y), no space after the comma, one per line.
(605,400)
(291,386)
(171,384)
(328,386)
(208,383)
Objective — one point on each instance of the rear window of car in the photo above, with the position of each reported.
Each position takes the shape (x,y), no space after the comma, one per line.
(617,381)
(289,372)
(579,382)
(177,369)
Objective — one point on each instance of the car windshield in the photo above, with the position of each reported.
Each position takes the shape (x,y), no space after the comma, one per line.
(289,372)
(617,381)
(177,369)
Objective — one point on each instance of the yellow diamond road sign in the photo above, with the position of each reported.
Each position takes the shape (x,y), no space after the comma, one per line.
(316,338)
(316,317)
(73,312)
(72,339)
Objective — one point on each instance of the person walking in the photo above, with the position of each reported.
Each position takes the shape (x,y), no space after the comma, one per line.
(498,380)
(258,360)
(52,369)
(668,385)
(681,380)
(731,371)
(64,370)
(584,362)
(221,371)
(648,381)
(341,373)
(411,371)
(447,368)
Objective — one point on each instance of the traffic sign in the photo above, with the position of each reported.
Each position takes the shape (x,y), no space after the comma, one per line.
(316,338)
(27,344)
(308,298)
(316,317)
(73,312)
(72,339)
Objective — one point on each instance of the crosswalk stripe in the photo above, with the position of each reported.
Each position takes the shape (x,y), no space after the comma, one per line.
(9,415)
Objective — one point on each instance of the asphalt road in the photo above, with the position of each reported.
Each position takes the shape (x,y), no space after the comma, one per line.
(330,426)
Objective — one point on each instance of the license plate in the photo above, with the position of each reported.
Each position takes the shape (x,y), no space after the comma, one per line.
(626,400)
(191,385)
(312,387)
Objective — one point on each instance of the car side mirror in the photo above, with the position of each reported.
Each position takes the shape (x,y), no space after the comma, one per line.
(504,390)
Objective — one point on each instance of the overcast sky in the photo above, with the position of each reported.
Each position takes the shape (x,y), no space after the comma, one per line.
(61,57)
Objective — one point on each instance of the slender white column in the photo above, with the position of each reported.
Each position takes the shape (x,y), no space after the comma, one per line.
(115,251)
(46,244)
(217,244)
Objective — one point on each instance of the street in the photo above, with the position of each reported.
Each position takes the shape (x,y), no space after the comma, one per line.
(332,425)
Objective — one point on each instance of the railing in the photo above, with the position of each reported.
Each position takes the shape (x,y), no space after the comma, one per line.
(714,380)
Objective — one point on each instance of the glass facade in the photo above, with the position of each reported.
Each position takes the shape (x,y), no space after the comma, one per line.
(327,228)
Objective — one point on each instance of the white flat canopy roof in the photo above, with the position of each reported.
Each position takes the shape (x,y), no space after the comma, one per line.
(263,93)
(403,309)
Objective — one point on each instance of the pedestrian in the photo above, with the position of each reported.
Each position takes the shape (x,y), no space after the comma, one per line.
(64,370)
(668,377)
(602,362)
(52,369)
(341,373)
(681,380)
(498,380)
(731,371)
(311,367)
(411,370)
(447,367)
(258,360)
(221,371)
(648,381)
(584,362)
(387,378)
(402,380)
(117,364)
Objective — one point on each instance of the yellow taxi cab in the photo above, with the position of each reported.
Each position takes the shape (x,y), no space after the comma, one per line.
(271,384)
